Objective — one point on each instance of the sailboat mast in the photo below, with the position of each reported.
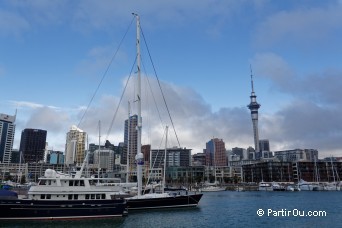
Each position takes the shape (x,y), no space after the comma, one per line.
(128,141)
(165,153)
(139,157)
(98,155)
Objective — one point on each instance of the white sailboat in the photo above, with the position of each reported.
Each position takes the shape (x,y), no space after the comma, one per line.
(152,200)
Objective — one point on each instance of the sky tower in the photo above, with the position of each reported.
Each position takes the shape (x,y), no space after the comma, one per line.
(254,106)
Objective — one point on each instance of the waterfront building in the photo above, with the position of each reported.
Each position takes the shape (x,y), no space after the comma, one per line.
(174,157)
(75,146)
(239,153)
(254,107)
(311,154)
(185,175)
(33,144)
(297,155)
(251,153)
(7,131)
(104,160)
(268,171)
(198,159)
(216,153)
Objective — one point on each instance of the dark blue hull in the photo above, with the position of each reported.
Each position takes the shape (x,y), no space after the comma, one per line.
(167,202)
(24,209)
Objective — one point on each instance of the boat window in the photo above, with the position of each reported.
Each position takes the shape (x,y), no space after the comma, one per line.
(103,196)
(75,196)
(82,183)
(70,197)
(87,196)
(49,182)
(48,196)
(92,196)
(42,196)
(71,183)
(42,182)
(76,183)
(97,196)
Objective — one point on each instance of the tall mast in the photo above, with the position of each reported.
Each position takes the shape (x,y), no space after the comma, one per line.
(98,154)
(128,141)
(139,157)
(165,153)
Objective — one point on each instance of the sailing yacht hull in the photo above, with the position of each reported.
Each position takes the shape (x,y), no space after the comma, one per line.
(26,209)
(156,202)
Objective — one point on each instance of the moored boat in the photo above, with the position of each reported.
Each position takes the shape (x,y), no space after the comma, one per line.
(59,197)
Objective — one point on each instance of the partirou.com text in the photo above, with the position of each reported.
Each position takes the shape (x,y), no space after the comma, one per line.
(290,213)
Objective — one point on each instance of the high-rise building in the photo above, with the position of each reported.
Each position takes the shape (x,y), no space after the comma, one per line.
(146,149)
(7,130)
(297,155)
(175,157)
(33,144)
(55,157)
(264,145)
(104,159)
(216,153)
(75,146)
(131,138)
(240,152)
(254,106)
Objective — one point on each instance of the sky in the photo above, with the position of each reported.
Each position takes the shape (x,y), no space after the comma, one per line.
(59,57)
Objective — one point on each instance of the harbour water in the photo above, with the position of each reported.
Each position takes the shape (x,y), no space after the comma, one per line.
(229,209)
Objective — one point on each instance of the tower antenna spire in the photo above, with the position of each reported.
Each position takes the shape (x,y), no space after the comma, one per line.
(252,83)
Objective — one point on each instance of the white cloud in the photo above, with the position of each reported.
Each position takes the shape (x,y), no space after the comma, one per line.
(301,26)
(273,67)
(30,105)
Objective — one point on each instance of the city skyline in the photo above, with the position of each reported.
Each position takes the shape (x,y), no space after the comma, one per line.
(54,53)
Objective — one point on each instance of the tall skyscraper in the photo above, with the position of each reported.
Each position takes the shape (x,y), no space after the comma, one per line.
(254,106)
(75,146)
(264,145)
(7,130)
(33,144)
(130,140)
(215,153)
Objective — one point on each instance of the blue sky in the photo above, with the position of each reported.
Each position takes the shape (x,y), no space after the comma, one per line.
(53,55)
